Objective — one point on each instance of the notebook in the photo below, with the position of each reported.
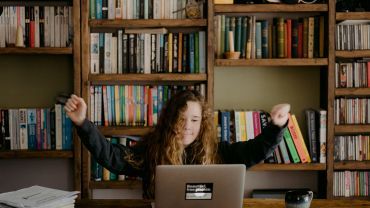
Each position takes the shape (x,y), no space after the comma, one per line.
(206,186)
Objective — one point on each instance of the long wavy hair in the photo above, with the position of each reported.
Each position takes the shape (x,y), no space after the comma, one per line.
(164,143)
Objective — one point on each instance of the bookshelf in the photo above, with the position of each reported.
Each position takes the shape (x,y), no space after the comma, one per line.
(301,65)
(91,25)
(339,55)
(35,96)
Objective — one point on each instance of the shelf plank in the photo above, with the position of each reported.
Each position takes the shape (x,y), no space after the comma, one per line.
(272,62)
(365,198)
(352,92)
(119,130)
(289,167)
(352,165)
(12,154)
(127,184)
(351,129)
(352,16)
(169,77)
(253,8)
(152,23)
(353,54)
(51,50)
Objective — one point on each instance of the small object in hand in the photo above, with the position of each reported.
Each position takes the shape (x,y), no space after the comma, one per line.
(300,198)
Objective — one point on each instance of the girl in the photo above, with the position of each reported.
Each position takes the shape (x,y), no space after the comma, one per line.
(184,135)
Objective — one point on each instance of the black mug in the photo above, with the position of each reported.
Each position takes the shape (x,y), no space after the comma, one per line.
(298,198)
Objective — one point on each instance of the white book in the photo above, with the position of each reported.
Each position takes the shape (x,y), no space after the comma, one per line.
(146,9)
(107,53)
(124,9)
(37,26)
(12,134)
(70,26)
(94,53)
(129,9)
(163,8)
(47,26)
(202,51)
(118,9)
(167,9)
(183,13)
(13,24)
(111,9)
(61,26)
(23,130)
(65,27)
(322,136)
(114,55)
(249,124)
(147,53)
(119,53)
(52,25)
(58,127)
(156,9)
(7,24)
(38,196)
(57,26)
(174,8)
(2,30)
(22,21)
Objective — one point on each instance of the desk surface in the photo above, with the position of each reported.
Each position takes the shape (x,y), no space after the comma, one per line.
(250,203)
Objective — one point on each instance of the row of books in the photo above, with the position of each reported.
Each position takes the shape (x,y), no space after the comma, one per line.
(131,105)
(120,53)
(352,111)
(235,126)
(353,35)
(42,26)
(139,9)
(35,129)
(99,173)
(279,38)
(352,74)
(351,183)
(352,148)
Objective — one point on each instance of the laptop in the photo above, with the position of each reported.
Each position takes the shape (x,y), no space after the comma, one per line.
(205,186)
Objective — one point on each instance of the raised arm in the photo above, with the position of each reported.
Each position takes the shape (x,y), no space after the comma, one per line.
(255,150)
(110,156)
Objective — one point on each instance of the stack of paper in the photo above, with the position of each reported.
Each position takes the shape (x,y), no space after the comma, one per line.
(38,197)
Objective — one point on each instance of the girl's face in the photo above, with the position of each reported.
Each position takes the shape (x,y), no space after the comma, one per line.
(193,119)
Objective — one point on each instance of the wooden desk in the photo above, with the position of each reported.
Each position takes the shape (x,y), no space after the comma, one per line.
(248,203)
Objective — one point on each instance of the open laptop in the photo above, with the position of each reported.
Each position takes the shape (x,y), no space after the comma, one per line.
(205,186)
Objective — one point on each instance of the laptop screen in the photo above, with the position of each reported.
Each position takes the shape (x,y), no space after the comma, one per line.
(203,186)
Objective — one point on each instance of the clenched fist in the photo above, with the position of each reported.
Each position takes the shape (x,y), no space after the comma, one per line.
(280,114)
(76,109)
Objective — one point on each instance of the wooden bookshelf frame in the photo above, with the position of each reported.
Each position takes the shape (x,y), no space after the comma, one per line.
(145,23)
(16,154)
(73,51)
(289,167)
(32,51)
(88,79)
(271,8)
(333,93)
(272,62)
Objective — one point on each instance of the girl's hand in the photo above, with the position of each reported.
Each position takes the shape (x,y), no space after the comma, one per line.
(76,109)
(280,114)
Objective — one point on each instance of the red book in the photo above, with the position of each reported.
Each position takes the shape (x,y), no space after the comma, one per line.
(32,27)
(289,38)
(300,40)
